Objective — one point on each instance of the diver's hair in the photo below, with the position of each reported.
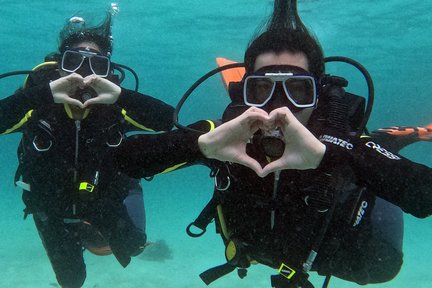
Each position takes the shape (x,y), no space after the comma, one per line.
(76,30)
(285,31)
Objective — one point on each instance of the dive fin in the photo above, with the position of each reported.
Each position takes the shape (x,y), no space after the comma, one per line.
(396,138)
(230,75)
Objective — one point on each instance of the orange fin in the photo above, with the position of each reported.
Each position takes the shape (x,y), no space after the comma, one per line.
(421,133)
(397,137)
(230,75)
(425,133)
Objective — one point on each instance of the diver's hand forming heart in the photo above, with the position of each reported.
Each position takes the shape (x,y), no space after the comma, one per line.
(228,141)
(107,91)
(302,149)
(64,88)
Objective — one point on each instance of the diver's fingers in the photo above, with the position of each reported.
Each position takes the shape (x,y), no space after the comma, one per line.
(104,98)
(284,118)
(271,167)
(90,102)
(253,118)
(282,113)
(239,128)
(74,102)
(248,161)
(255,113)
(101,84)
(92,80)
(75,79)
(67,83)
(98,84)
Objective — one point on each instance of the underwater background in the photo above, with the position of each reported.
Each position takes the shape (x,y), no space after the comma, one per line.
(170,44)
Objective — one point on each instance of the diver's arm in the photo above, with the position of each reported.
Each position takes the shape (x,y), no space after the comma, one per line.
(145,155)
(17,108)
(140,111)
(394,178)
(144,112)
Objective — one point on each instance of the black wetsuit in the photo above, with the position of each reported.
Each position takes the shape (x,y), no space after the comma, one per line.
(69,167)
(364,240)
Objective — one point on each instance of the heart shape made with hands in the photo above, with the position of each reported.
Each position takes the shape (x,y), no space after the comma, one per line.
(84,91)
(302,150)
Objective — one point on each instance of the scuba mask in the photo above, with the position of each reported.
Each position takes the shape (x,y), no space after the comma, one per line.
(74,59)
(296,84)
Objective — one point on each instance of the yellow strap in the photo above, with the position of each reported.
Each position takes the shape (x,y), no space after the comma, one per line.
(222,222)
(20,123)
(49,63)
(70,114)
(230,251)
(212,125)
(172,168)
(134,123)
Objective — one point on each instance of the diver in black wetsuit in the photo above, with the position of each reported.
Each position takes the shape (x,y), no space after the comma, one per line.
(73,115)
(332,206)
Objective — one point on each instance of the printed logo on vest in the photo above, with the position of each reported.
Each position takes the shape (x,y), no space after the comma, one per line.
(360,213)
(336,141)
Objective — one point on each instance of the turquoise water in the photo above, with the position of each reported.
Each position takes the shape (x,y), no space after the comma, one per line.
(170,45)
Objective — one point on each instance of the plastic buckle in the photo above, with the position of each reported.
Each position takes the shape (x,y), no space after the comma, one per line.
(86,187)
(286,271)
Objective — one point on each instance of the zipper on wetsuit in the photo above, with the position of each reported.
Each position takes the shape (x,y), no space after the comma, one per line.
(77,132)
(275,190)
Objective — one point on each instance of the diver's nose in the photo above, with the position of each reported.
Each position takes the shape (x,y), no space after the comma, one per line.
(85,70)
(279,99)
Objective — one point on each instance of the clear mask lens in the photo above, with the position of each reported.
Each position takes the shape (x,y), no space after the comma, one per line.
(73,60)
(299,89)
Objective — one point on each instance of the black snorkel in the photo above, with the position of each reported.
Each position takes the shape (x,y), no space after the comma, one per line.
(14,73)
(192,89)
(120,68)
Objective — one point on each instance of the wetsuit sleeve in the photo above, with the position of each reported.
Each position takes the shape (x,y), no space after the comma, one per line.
(144,112)
(145,155)
(17,108)
(390,176)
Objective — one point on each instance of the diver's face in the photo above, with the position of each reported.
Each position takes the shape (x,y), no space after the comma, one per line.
(284,58)
(84,70)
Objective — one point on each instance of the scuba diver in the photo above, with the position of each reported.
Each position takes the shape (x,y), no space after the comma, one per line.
(328,197)
(73,114)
